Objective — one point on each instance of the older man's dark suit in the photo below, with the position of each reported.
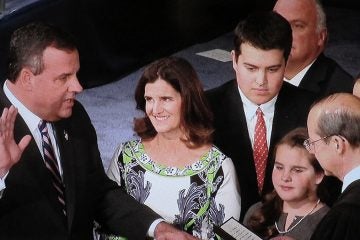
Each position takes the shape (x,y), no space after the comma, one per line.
(29,208)
(232,136)
(325,77)
(342,221)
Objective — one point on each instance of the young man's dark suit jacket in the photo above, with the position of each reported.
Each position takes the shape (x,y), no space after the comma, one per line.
(342,221)
(325,77)
(29,208)
(232,136)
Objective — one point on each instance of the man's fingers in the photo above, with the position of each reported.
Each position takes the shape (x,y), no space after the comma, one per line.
(11,120)
(24,142)
(3,121)
(4,113)
(7,121)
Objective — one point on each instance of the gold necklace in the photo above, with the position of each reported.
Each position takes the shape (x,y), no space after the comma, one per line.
(290,229)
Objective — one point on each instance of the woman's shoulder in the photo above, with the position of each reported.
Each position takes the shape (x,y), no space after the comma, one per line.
(127,146)
(223,160)
(218,153)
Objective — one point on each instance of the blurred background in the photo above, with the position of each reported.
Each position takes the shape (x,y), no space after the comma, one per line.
(115,37)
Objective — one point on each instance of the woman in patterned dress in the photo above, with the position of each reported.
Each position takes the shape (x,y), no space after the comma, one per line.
(173,167)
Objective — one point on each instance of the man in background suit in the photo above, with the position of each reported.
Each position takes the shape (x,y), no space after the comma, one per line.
(334,137)
(262,46)
(56,187)
(307,66)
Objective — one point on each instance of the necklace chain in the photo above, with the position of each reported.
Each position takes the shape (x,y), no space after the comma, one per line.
(290,229)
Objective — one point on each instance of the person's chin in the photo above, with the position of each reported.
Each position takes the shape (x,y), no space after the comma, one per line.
(261,99)
(328,173)
(285,192)
(66,113)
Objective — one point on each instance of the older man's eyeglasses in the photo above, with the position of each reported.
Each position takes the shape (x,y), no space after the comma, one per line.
(310,145)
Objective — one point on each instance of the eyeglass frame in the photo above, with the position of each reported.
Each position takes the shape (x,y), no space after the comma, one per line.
(307,143)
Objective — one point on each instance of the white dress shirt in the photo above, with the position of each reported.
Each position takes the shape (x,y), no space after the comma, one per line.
(351,177)
(296,80)
(250,108)
(32,121)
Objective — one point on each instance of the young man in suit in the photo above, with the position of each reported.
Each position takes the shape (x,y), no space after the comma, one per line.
(334,137)
(56,187)
(307,66)
(262,46)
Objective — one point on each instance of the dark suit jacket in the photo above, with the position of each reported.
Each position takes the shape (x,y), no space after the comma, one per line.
(232,136)
(342,221)
(29,208)
(325,77)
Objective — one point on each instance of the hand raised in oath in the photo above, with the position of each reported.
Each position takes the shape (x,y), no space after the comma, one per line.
(10,151)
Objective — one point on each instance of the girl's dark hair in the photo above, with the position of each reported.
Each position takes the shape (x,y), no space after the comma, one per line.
(196,117)
(262,220)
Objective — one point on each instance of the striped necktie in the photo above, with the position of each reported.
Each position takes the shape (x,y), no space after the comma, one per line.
(52,164)
(260,149)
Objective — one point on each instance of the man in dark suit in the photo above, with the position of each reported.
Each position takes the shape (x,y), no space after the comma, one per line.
(262,46)
(307,66)
(58,187)
(334,137)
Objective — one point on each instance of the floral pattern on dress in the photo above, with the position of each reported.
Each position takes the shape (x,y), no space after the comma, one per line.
(134,162)
(135,186)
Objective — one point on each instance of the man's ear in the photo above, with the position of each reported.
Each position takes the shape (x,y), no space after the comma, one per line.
(319,177)
(323,35)
(338,144)
(234,59)
(25,78)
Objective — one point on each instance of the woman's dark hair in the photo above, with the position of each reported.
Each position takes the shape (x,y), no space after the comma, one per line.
(263,219)
(196,117)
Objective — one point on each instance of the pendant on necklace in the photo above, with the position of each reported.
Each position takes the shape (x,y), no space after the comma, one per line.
(302,218)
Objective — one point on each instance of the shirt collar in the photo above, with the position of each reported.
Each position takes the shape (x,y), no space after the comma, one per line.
(296,80)
(30,118)
(250,108)
(350,177)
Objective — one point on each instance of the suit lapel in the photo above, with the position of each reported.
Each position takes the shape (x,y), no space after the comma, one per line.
(315,78)
(237,125)
(65,144)
(235,112)
(31,167)
(286,118)
(284,115)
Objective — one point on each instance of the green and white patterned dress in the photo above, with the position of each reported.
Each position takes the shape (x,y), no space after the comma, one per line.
(193,198)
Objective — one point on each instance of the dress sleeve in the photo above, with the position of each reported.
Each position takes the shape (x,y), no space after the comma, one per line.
(228,194)
(113,171)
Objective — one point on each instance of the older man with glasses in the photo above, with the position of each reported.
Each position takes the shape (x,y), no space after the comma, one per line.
(334,123)
(310,145)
